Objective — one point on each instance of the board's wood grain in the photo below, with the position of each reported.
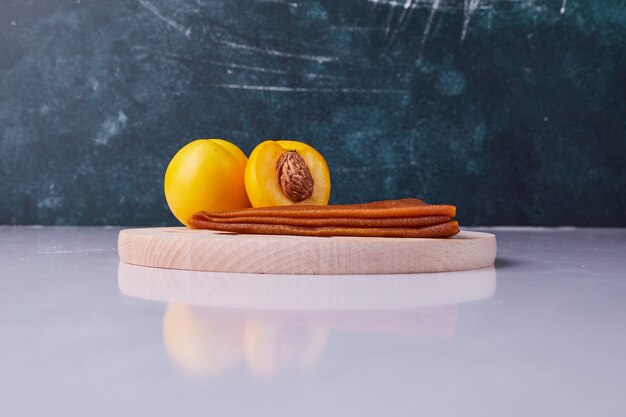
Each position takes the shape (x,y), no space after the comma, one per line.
(204,250)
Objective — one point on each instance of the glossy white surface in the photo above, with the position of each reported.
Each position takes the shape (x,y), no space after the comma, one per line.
(544,334)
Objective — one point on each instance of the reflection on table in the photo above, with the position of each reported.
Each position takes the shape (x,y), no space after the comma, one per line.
(214,322)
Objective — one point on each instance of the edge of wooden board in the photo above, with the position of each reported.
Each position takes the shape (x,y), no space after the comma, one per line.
(205,250)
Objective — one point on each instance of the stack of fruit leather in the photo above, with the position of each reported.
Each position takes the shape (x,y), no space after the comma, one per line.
(408,218)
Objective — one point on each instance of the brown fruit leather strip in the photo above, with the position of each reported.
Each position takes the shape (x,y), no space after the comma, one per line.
(331,221)
(408,207)
(441,230)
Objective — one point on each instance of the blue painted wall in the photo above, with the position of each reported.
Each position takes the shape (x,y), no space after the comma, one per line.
(515,111)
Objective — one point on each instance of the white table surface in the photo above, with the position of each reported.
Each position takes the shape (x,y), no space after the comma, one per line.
(542,334)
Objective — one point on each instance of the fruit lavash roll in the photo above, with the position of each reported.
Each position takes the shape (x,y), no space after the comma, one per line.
(388,218)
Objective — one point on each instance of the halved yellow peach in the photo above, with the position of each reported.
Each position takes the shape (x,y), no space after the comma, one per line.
(286,172)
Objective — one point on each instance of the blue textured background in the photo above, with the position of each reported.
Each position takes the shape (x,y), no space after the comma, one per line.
(515,111)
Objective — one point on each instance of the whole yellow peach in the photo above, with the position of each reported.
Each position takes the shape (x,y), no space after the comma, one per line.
(206,174)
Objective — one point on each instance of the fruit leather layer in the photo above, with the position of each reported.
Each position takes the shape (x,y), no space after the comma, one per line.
(447,229)
(389,218)
(331,221)
(406,207)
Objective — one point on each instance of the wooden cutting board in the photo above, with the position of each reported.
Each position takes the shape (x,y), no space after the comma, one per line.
(204,250)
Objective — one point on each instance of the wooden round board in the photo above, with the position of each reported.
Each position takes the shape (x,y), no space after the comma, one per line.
(205,250)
